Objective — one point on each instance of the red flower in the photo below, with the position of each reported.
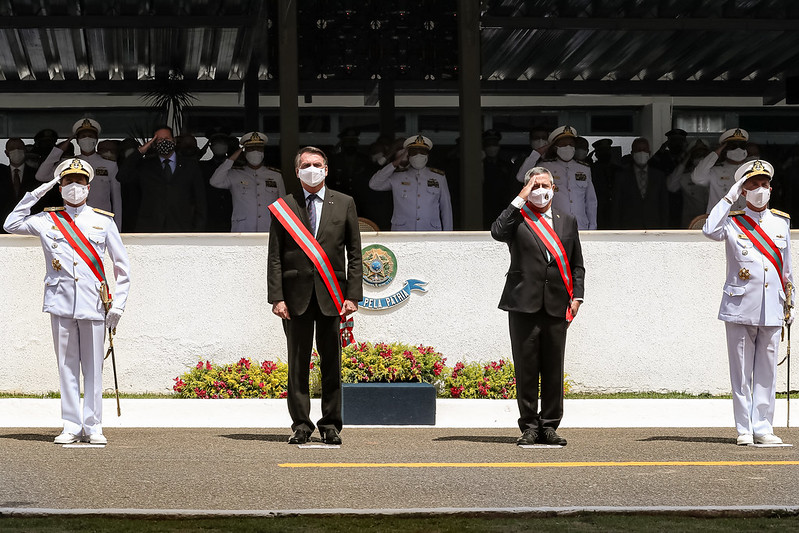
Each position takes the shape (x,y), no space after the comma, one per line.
(208,365)
(284,394)
(199,364)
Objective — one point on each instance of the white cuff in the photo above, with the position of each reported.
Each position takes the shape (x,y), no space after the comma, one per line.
(518,202)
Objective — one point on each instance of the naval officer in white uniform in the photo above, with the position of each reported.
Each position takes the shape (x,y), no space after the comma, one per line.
(753,303)
(573,183)
(72,292)
(720,177)
(106,191)
(421,195)
(253,187)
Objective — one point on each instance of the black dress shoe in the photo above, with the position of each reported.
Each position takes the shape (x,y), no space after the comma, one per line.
(530,436)
(331,436)
(551,437)
(299,437)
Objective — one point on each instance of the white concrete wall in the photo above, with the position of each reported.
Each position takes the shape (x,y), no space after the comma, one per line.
(648,323)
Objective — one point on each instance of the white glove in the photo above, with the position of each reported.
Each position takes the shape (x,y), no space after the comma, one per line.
(789,320)
(735,191)
(112,318)
(44,188)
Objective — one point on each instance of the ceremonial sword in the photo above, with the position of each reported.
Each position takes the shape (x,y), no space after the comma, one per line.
(787,307)
(107,306)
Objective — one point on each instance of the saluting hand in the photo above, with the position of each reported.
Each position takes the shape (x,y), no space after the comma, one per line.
(735,191)
(543,149)
(65,144)
(143,149)
(235,155)
(526,190)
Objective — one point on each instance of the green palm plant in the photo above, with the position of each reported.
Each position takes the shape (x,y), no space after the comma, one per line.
(170,98)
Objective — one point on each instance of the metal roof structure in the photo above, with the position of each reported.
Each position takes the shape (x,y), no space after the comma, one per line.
(546,47)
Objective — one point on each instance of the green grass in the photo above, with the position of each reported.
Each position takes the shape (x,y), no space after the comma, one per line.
(454,523)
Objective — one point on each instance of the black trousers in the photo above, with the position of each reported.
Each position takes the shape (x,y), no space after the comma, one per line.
(299,337)
(538,343)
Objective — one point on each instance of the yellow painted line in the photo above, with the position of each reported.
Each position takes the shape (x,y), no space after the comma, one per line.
(578,464)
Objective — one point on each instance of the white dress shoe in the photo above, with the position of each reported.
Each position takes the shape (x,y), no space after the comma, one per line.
(97,438)
(66,438)
(744,439)
(769,438)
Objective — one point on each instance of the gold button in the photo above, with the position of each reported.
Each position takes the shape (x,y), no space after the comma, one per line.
(766,284)
(766,269)
(76,263)
(76,279)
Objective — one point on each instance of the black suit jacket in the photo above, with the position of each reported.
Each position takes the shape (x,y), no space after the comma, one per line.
(533,283)
(9,200)
(634,211)
(176,205)
(291,276)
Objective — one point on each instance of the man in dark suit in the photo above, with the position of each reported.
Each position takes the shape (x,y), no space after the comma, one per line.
(16,179)
(300,297)
(538,302)
(171,187)
(641,194)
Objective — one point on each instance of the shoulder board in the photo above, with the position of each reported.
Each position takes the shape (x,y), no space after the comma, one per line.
(49,209)
(275,169)
(583,163)
(736,213)
(437,171)
(543,160)
(781,213)
(106,213)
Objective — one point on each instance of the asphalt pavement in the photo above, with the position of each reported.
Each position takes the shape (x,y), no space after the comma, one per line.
(239,469)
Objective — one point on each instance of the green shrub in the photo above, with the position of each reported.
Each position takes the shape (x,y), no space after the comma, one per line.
(245,379)
(492,380)
(365,362)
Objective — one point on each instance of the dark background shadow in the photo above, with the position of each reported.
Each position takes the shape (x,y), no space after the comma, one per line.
(675,438)
(28,437)
(257,436)
(482,439)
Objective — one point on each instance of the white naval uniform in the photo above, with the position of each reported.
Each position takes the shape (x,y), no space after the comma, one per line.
(752,308)
(718,179)
(574,188)
(105,192)
(421,198)
(253,190)
(72,297)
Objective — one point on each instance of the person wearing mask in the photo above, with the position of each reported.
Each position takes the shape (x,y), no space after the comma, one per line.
(108,149)
(694,197)
(719,177)
(641,192)
(498,183)
(421,195)
(16,178)
(544,289)
(581,150)
(219,201)
(754,305)
(171,186)
(253,187)
(315,228)
(74,239)
(573,183)
(106,192)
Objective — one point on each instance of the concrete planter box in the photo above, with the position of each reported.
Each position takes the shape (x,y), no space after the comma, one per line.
(394,404)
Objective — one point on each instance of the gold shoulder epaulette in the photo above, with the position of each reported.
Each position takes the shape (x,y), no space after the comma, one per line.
(274,169)
(106,213)
(548,160)
(49,209)
(733,213)
(781,213)
(582,163)
(437,171)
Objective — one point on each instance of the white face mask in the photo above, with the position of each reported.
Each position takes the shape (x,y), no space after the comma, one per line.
(219,149)
(311,176)
(254,158)
(758,197)
(75,193)
(566,153)
(379,159)
(580,153)
(641,158)
(538,143)
(739,154)
(418,161)
(540,197)
(16,157)
(492,151)
(87,144)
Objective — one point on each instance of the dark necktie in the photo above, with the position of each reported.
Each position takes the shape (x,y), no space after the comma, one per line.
(17,182)
(167,171)
(312,212)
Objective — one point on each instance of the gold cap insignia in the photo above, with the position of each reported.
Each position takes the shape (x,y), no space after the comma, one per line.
(744,274)
(76,167)
(568,130)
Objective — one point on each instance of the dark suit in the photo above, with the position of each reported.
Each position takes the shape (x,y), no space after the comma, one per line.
(8,198)
(536,300)
(292,278)
(641,212)
(175,205)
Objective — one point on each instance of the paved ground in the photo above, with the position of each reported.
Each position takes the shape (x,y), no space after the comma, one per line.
(254,469)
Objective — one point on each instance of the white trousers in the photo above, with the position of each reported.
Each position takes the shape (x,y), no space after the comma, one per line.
(752,352)
(79,346)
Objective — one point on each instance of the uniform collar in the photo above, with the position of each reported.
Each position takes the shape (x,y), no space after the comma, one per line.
(75,211)
(320,193)
(757,215)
